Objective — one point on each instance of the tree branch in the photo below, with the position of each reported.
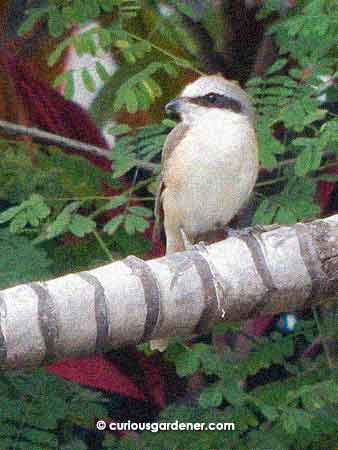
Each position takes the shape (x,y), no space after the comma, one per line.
(61,141)
(132,301)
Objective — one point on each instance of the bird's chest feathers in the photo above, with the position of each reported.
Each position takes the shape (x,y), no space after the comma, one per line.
(211,155)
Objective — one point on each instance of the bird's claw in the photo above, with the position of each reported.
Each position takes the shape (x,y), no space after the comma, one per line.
(249,231)
(200,247)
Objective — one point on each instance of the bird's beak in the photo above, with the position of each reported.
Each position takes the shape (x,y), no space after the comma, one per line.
(173,106)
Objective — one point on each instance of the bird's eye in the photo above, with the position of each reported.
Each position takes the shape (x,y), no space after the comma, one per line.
(212,98)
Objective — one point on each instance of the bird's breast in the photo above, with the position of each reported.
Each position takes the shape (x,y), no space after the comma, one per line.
(211,174)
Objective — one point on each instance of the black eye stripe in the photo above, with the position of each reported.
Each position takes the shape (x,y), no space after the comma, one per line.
(214,100)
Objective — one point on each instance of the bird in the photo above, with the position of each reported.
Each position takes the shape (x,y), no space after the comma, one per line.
(209,163)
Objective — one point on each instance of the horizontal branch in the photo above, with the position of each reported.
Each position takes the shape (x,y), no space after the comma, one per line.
(132,301)
(64,142)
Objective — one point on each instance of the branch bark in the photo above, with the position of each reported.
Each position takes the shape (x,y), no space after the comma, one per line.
(132,301)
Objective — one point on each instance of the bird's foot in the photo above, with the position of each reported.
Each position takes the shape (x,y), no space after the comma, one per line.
(186,243)
(200,246)
(236,233)
(249,231)
(189,246)
(265,228)
(186,264)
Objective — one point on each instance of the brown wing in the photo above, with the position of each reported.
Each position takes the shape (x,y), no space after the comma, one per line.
(173,139)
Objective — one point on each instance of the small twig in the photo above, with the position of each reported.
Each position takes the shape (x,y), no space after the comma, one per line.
(326,166)
(322,339)
(178,60)
(61,141)
(269,182)
(289,161)
(103,246)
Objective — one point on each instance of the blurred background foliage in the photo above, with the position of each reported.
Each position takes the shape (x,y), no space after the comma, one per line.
(61,212)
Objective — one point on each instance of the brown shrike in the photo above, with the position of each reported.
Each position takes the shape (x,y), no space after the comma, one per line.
(209,161)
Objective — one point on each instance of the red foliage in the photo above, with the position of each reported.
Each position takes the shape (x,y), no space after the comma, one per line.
(326,188)
(98,372)
(48,110)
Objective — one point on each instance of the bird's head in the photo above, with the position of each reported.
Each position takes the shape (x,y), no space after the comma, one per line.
(211,92)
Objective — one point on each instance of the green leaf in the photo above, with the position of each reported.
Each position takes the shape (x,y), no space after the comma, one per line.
(268,145)
(301,112)
(265,213)
(88,80)
(309,159)
(233,393)
(144,99)
(104,36)
(34,215)
(211,397)
(122,165)
(140,211)
(21,261)
(56,54)
(200,348)
(102,72)
(92,9)
(7,215)
(129,56)
(270,412)
(187,363)
(81,225)
(147,86)
(111,226)
(140,48)
(186,9)
(294,418)
(19,222)
(35,14)
(30,211)
(279,91)
(276,66)
(211,362)
(285,216)
(169,123)
(174,349)
(69,86)
(154,87)
(62,221)
(119,100)
(68,16)
(131,101)
(135,223)
(55,23)
(116,201)
(327,177)
(60,79)
(293,115)
(255,81)
(40,437)
(171,70)
(268,7)
(79,10)
(108,5)
(282,80)
(121,128)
